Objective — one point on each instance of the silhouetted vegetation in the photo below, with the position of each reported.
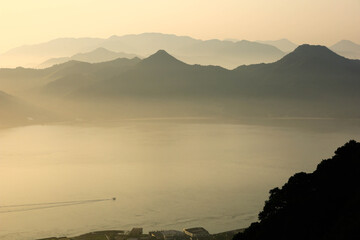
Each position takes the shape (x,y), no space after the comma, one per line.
(319,205)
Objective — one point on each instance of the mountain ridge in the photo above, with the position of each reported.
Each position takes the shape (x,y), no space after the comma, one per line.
(283,44)
(190,50)
(313,78)
(347,49)
(96,56)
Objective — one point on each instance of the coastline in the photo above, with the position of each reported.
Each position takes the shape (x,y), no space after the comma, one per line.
(130,235)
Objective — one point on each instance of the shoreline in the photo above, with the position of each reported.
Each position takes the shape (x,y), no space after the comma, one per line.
(136,234)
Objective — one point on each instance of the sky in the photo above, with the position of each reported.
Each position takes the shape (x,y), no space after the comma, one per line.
(301,21)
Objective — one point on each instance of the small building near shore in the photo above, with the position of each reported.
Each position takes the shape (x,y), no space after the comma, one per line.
(156,235)
(173,235)
(197,233)
(136,232)
(168,235)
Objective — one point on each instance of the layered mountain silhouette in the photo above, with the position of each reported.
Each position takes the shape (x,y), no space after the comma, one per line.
(26,79)
(226,53)
(161,59)
(215,52)
(311,81)
(70,76)
(33,55)
(319,205)
(308,71)
(161,76)
(96,56)
(284,44)
(347,49)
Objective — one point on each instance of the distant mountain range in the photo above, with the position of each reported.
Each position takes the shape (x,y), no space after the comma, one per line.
(225,53)
(64,80)
(344,48)
(311,81)
(96,56)
(33,55)
(214,52)
(283,44)
(347,49)
(314,77)
(319,81)
(307,70)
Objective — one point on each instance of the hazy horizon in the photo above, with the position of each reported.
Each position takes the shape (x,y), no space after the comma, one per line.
(264,41)
(177,115)
(22,22)
(227,53)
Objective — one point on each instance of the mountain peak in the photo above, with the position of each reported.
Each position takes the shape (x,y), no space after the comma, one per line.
(161,53)
(283,44)
(346,45)
(113,37)
(346,41)
(312,54)
(307,49)
(161,57)
(101,50)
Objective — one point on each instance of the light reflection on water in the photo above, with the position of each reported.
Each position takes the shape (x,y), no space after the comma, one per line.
(165,175)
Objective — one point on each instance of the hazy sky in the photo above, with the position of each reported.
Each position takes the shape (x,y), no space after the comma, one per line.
(311,21)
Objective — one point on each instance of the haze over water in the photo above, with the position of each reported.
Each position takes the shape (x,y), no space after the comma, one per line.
(164,174)
(165,115)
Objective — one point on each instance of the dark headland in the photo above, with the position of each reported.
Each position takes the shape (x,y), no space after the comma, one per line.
(319,205)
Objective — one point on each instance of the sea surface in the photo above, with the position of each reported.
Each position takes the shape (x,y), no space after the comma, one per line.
(164,174)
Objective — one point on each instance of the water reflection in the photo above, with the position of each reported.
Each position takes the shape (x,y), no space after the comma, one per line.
(164,174)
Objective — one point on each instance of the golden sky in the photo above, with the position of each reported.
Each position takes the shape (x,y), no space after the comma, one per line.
(302,21)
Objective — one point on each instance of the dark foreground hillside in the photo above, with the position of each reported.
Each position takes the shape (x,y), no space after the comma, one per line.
(324,204)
